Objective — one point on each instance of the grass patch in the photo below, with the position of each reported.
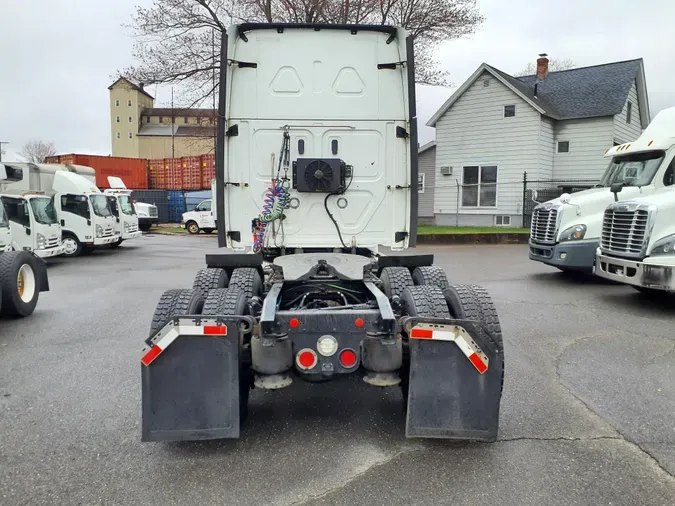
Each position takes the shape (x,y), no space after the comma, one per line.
(173,230)
(430,229)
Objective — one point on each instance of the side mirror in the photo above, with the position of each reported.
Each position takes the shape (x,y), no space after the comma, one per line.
(616,188)
(63,223)
(534,196)
(27,231)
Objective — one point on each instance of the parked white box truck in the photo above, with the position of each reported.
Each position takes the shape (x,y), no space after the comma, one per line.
(123,209)
(565,232)
(81,208)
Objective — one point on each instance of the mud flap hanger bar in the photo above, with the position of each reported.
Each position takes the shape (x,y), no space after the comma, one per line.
(456,331)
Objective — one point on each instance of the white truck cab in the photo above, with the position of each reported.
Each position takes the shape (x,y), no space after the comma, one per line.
(5,232)
(565,232)
(33,224)
(122,207)
(200,218)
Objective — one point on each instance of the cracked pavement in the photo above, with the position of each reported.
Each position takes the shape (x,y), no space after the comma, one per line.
(587,413)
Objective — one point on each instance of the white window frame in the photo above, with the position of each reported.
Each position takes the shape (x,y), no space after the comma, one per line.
(117,119)
(118,135)
(515,111)
(423,177)
(557,148)
(130,119)
(480,175)
(129,102)
(130,136)
(502,216)
(117,103)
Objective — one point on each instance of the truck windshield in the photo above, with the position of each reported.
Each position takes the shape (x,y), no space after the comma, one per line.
(100,205)
(4,222)
(126,206)
(43,210)
(633,170)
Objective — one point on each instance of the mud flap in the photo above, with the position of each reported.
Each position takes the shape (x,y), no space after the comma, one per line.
(456,374)
(190,379)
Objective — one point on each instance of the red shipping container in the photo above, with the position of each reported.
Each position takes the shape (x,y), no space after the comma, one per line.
(52,159)
(192,173)
(133,171)
(157,170)
(208,170)
(174,174)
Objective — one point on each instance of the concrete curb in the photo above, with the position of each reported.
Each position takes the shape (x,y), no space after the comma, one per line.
(504,238)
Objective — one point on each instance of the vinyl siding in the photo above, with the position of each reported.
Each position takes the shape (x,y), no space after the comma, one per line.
(589,139)
(624,132)
(474,132)
(546,148)
(427,166)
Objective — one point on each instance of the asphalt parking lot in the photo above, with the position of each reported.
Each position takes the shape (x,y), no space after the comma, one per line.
(587,414)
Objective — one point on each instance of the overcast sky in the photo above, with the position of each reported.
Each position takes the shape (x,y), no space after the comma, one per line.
(57,58)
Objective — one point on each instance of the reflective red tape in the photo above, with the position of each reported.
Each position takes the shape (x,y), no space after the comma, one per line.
(421,333)
(151,355)
(478,363)
(215,330)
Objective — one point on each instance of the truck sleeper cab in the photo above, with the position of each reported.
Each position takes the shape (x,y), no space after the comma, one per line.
(565,232)
(33,224)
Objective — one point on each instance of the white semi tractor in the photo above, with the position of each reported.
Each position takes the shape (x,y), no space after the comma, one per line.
(82,210)
(565,232)
(23,275)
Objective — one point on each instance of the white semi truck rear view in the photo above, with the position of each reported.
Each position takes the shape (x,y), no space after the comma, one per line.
(316,162)
(565,232)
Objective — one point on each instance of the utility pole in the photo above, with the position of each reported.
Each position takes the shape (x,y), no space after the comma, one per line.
(213,90)
(1,143)
(173,120)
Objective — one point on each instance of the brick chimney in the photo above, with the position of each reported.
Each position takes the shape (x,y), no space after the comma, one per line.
(542,67)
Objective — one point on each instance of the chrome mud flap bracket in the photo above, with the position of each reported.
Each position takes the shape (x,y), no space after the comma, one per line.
(455,383)
(190,379)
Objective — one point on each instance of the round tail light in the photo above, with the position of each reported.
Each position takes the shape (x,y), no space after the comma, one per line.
(348,358)
(306,359)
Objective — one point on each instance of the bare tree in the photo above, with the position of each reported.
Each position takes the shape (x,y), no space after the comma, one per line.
(37,151)
(178,40)
(553,66)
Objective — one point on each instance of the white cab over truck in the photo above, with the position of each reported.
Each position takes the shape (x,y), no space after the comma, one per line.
(23,275)
(81,208)
(200,218)
(565,232)
(122,207)
(31,217)
(316,169)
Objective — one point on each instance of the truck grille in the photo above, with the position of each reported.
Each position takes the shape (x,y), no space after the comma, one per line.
(52,243)
(624,230)
(153,212)
(543,226)
(133,227)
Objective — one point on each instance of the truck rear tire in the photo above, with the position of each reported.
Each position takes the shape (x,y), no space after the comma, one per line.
(19,283)
(430,275)
(395,280)
(248,279)
(232,302)
(426,301)
(210,278)
(473,302)
(175,303)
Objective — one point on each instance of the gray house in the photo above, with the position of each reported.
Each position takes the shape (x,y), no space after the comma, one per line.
(426,183)
(554,125)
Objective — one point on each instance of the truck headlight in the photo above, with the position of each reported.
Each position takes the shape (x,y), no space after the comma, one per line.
(665,246)
(99,231)
(574,233)
(126,226)
(142,214)
(41,241)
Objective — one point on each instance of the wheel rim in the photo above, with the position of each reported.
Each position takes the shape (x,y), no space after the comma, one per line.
(25,281)
(193,228)
(71,245)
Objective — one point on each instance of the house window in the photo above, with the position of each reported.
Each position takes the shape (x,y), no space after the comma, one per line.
(509,111)
(502,221)
(117,119)
(185,120)
(129,103)
(147,119)
(420,182)
(130,135)
(563,146)
(161,119)
(118,135)
(479,186)
(117,103)
(130,120)
(629,112)
(486,83)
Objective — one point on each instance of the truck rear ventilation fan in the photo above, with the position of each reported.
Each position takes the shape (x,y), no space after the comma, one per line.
(319,175)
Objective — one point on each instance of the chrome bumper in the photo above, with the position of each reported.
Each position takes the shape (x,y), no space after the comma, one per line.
(659,277)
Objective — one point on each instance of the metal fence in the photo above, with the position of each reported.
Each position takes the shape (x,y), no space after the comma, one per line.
(548,189)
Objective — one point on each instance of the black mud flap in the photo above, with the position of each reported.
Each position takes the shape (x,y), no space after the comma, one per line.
(41,274)
(190,379)
(456,375)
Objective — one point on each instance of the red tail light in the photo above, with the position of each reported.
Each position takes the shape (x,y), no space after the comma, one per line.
(306,359)
(348,358)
